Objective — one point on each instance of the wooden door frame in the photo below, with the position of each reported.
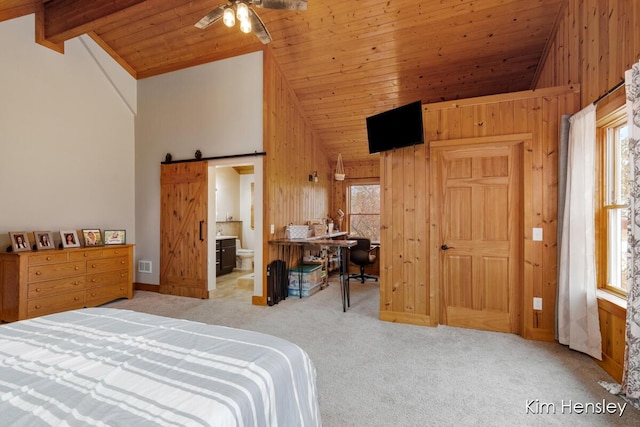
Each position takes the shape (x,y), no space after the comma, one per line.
(522,291)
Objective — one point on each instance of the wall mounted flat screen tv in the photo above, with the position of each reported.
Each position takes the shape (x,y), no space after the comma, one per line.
(397,128)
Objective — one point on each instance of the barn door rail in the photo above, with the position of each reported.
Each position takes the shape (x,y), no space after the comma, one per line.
(198,157)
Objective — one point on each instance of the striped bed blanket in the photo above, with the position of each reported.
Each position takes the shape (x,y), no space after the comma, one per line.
(111,367)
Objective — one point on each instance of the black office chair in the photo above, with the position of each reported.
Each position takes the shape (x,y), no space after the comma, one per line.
(362,254)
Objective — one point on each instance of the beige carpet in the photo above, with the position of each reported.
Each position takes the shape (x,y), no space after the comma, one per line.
(374,373)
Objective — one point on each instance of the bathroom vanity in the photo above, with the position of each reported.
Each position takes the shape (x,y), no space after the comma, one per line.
(225,254)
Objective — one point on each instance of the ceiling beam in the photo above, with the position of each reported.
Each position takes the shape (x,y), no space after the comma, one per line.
(66,19)
(23,8)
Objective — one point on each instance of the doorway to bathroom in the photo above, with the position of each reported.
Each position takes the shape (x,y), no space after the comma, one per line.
(235,218)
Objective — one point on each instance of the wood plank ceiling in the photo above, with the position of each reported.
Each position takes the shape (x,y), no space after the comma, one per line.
(345,60)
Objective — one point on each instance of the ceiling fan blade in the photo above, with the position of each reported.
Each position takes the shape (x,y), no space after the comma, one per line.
(258,27)
(211,17)
(281,4)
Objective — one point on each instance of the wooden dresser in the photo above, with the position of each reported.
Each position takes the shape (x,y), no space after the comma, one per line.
(36,283)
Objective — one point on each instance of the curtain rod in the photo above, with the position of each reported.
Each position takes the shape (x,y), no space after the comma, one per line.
(199,158)
(609,92)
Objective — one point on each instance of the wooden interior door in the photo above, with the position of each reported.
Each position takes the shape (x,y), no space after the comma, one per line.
(183,233)
(477,208)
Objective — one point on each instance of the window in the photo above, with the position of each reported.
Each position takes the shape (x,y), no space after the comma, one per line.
(615,191)
(364,210)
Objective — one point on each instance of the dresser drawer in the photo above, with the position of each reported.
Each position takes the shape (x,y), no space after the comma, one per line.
(108,278)
(40,273)
(104,294)
(115,251)
(54,287)
(63,302)
(80,255)
(107,264)
(48,257)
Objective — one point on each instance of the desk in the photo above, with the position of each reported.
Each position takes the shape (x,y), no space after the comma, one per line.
(339,245)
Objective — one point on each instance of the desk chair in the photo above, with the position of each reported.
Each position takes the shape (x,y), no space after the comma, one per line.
(362,254)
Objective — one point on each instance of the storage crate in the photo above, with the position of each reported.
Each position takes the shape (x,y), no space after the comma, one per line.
(297,231)
(311,275)
(306,292)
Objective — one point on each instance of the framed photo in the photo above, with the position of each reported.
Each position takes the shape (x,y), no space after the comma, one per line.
(19,241)
(69,239)
(115,237)
(44,240)
(92,237)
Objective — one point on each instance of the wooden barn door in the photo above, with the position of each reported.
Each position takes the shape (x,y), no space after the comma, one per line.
(477,207)
(183,232)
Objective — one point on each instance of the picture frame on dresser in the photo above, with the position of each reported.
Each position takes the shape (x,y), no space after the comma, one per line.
(92,237)
(44,240)
(69,239)
(115,237)
(19,241)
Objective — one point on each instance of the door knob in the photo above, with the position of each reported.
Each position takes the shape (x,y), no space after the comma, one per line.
(445,247)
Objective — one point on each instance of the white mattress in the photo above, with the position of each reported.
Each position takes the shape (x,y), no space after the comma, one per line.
(104,366)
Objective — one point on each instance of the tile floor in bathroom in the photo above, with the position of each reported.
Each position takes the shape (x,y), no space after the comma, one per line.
(232,286)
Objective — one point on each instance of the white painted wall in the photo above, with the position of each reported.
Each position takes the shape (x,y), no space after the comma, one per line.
(66,136)
(215,108)
(227,194)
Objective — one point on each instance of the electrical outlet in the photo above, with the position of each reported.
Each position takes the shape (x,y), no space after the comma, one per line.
(537,303)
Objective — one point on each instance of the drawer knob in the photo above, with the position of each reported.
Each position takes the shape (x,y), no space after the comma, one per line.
(122,274)
(48,258)
(38,289)
(37,306)
(116,252)
(76,298)
(85,255)
(76,283)
(121,262)
(93,294)
(76,268)
(93,280)
(38,273)
(93,266)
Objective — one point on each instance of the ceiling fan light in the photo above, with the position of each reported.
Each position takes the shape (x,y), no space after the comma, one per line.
(245,26)
(242,12)
(229,18)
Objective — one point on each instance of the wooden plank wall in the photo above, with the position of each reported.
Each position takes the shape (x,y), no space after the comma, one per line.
(405,294)
(293,152)
(595,42)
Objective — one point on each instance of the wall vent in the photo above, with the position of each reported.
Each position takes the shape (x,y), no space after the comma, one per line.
(144,266)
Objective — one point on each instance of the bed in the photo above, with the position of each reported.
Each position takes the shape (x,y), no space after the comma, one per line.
(105,366)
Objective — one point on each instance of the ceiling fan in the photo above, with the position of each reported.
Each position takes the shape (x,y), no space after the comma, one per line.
(249,19)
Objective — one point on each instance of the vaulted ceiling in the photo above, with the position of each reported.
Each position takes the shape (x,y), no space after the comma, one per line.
(345,60)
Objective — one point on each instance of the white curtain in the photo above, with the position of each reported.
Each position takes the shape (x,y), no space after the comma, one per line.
(578,324)
(631,370)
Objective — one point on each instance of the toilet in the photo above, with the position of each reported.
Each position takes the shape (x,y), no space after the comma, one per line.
(244,257)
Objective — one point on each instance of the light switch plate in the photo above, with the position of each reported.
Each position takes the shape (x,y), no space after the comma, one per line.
(273,228)
(537,234)
(537,303)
